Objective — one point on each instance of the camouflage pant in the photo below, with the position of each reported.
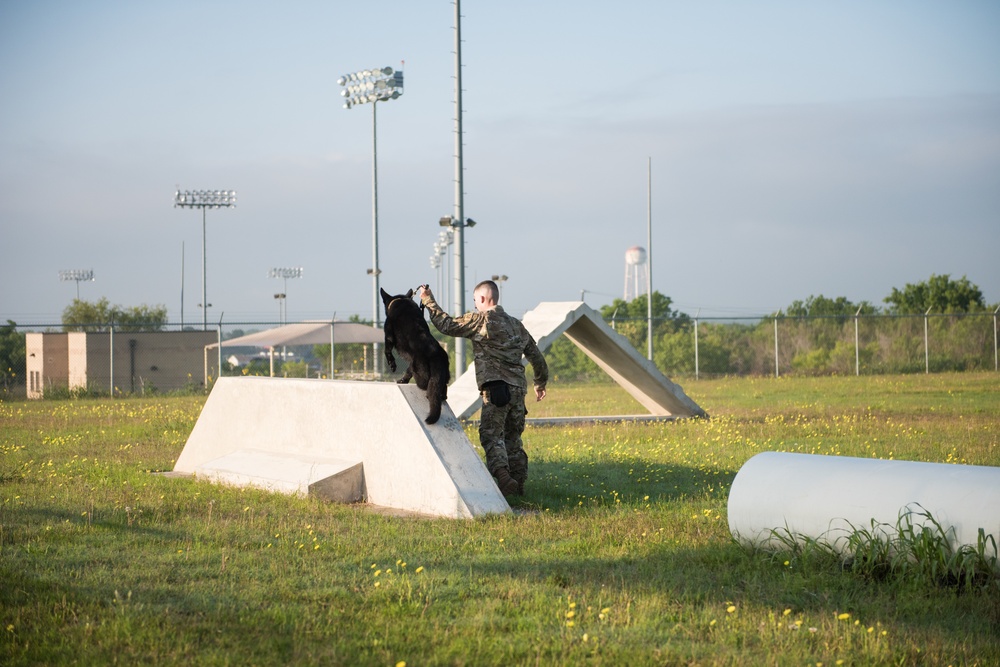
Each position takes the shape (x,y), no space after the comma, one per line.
(500,432)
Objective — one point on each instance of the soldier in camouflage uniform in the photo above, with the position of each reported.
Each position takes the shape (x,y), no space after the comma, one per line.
(498,343)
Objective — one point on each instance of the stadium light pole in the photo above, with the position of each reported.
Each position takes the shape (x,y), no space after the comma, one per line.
(499,280)
(436,265)
(371,86)
(204,199)
(446,238)
(77,275)
(457,228)
(284,273)
(459,206)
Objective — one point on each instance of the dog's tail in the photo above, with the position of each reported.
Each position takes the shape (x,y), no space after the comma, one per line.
(437,391)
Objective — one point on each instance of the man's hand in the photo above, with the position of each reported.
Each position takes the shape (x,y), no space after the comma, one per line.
(539,393)
(423,289)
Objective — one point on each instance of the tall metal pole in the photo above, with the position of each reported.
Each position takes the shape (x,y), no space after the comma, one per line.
(205,199)
(459,214)
(77,275)
(649,258)
(204,274)
(374,86)
(376,316)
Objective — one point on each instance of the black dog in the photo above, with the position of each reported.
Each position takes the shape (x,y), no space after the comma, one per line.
(407,330)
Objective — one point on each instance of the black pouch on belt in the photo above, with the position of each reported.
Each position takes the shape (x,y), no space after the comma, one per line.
(497,392)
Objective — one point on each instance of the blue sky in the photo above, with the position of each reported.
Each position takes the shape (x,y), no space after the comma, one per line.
(797,149)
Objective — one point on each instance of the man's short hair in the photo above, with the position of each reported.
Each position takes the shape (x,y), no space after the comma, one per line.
(488,285)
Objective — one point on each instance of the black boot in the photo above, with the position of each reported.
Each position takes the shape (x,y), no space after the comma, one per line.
(507,484)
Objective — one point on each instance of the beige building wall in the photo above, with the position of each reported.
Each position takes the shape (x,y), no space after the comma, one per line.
(46,362)
(141,363)
(79,377)
(162,361)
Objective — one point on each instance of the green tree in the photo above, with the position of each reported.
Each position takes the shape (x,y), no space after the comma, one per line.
(567,362)
(629,318)
(12,359)
(99,316)
(636,308)
(940,294)
(295,369)
(674,351)
(821,306)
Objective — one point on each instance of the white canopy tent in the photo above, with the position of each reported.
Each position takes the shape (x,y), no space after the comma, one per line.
(316,332)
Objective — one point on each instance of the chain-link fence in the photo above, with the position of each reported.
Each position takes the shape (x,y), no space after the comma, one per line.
(841,345)
(777,345)
(45,361)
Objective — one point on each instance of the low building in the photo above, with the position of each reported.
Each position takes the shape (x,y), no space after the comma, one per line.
(118,362)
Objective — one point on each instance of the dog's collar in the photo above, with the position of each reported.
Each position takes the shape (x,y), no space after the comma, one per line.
(400,298)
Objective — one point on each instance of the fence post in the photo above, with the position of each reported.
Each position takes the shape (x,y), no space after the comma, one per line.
(218,369)
(696,344)
(996,360)
(927,352)
(333,324)
(857,347)
(111,357)
(776,346)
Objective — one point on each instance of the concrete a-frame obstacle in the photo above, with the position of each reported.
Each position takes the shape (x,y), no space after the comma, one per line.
(341,440)
(367,441)
(611,351)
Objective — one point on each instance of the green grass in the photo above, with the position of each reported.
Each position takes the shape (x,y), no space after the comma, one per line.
(619,554)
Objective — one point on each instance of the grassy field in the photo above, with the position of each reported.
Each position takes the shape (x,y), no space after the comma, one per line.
(619,553)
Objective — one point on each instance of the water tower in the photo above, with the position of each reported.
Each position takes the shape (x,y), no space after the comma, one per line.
(636,272)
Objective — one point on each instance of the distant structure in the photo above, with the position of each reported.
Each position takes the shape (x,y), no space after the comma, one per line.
(636,272)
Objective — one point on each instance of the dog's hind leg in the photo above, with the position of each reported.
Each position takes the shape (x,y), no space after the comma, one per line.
(420,372)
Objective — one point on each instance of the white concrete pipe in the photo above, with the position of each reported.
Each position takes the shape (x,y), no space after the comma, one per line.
(829,497)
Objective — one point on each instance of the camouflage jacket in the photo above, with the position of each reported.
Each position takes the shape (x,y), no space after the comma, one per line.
(498,343)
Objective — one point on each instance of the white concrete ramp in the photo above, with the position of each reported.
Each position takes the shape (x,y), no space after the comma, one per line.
(611,351)
(333,479)
(341,440)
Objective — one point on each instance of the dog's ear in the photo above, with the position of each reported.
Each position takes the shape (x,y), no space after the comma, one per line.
(386,298)
(409,294)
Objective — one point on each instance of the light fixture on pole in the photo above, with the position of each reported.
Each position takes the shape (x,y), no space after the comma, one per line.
(204,199)
(436,265)
(499,280)
(280,298)
(284,274)
(77,275)
(371,86)
(446,239)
